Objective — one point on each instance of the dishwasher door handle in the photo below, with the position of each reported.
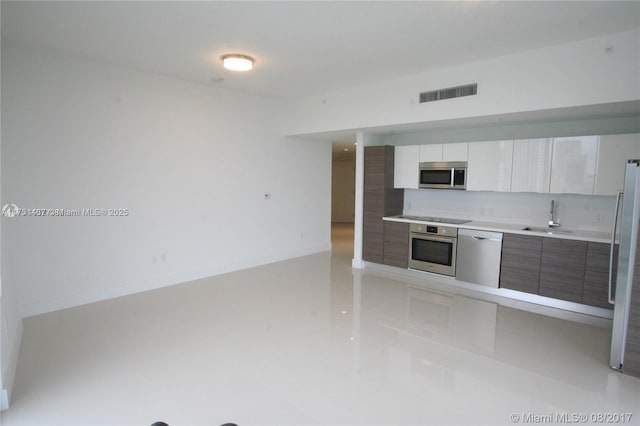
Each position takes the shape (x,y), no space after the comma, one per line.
(485,238)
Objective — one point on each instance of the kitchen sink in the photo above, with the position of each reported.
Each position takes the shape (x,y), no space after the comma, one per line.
(546,230)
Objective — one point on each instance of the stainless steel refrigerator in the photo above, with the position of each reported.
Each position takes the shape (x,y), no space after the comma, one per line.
(627,216)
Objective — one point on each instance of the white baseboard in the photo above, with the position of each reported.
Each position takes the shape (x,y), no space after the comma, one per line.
(357,263)
(69,301)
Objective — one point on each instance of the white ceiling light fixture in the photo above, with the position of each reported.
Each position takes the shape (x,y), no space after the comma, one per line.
(237,62)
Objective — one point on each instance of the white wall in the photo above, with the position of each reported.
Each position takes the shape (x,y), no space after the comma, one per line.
(190,162)
(11,323)
(562,76)
(343,187)
(11,334)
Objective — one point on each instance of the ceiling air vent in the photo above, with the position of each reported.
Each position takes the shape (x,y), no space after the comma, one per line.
(449,93)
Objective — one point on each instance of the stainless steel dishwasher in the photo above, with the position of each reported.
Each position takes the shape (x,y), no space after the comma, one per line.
(478,259)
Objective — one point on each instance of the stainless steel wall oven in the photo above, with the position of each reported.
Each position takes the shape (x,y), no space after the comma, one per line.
(432,248)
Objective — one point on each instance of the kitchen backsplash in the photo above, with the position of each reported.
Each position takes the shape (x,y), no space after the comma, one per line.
(574,211)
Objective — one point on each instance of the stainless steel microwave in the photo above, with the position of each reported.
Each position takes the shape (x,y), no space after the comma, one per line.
(444,175)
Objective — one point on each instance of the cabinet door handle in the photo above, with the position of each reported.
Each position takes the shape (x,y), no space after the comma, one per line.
(613,243)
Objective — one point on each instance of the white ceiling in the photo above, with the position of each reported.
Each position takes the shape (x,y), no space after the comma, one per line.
(304,48)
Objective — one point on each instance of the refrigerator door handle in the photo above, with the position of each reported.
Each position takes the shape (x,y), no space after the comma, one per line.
(613,242)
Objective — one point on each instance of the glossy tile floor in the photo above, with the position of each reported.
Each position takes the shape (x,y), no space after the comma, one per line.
(310,341)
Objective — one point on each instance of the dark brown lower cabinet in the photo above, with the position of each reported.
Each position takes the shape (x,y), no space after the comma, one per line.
(562,269)
(396,244)
(571,270)
(596,275)
(372,231)
(632,347)
(380,199)
(520,267)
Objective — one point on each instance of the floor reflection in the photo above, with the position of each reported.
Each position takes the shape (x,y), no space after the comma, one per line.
(311,341)
(454,350)
(456,347)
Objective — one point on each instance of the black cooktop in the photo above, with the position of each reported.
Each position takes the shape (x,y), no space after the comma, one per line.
(436,219)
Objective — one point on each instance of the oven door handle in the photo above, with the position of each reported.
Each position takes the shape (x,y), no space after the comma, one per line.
(434,238)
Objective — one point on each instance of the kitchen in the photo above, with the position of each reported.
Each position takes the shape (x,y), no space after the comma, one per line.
(539,236)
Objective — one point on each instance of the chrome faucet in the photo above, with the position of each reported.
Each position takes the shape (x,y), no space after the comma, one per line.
(553,223)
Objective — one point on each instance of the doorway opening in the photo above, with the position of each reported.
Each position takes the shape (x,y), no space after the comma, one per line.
(343,192)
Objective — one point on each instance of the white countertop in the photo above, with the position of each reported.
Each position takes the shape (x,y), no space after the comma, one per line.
(576,234)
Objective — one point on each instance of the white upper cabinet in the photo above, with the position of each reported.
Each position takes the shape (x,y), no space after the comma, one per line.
(405,166)
(531,165)
(444,152)
(613,153)
(455,152)
(588,165)
(489,166)
(573,170)
(408,158)
(431,153)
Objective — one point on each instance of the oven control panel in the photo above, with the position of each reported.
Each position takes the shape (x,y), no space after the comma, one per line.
(420,228)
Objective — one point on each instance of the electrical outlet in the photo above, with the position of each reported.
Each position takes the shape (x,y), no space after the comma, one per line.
(599,219)
(154,258)
(163,258)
